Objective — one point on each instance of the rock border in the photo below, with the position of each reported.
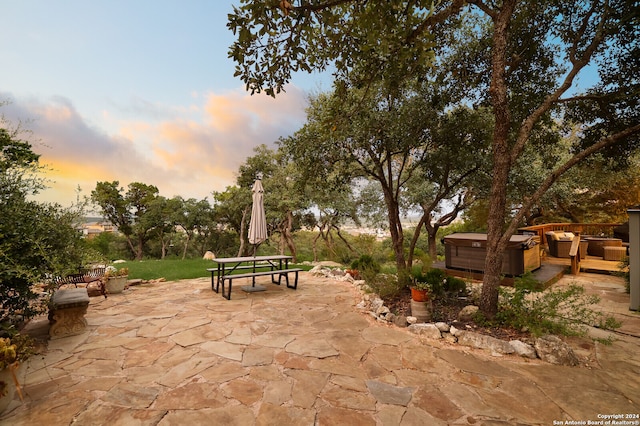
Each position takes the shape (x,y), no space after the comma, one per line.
(548,348)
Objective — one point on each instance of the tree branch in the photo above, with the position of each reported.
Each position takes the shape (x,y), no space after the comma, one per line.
(577,66)
(551,179)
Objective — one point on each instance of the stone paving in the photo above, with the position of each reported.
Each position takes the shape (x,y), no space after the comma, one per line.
(176,353)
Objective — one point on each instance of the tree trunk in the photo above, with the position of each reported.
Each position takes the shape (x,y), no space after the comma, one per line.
(315,246)
(431,239)
(344,240)
(501,163)
(131,246)
(242,229)
(414,240)
(395,228)
(186,245)
(163,248)
(289,238)
(140,248)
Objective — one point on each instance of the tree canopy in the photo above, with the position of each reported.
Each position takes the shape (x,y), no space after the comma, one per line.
(132,212)
(522,60)
(36,239)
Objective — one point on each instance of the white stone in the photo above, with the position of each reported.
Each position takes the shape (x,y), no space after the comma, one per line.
(428,330)
(481,341)
(443,326)
(316,270)
(523,349)
(553,350)
(377,303)
(382,310)
(412,320)
(466,314)
(454,331)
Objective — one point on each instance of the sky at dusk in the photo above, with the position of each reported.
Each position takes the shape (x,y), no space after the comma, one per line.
(136,91)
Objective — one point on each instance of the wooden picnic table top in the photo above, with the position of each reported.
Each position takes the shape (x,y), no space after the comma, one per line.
(225,260)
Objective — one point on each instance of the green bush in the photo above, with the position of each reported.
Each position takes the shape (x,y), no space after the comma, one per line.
(439,282)
(563,311)
(624,273)
(366,263)
(455,285)
(387,286)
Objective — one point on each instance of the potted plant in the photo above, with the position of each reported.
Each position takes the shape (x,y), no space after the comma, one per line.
(115,279)
(13,351)
(420,291)
(430,281)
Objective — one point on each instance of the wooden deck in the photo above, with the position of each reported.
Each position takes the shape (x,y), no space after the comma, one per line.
(590,264)
(551,270)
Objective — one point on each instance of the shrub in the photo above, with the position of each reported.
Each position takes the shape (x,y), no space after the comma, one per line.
(438,282)
(624,273)
(565,311)
(387,286)
(455,285)
(367,267)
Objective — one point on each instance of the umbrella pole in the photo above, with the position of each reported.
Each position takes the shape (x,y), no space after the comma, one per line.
(253,287)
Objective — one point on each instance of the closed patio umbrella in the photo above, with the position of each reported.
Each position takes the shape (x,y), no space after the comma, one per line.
(257,227)
(258,222)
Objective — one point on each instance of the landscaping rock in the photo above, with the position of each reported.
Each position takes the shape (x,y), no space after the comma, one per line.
(382,310)
(549,348)
(466,314)
(400,321)
(523,349)
(553,350)
(481,341)
(454,330)
(443,326)
(376,304)
(429,331)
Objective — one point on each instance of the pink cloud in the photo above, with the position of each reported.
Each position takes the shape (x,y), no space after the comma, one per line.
(191,152)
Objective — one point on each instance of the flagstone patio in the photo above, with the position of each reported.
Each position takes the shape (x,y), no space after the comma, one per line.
(176,353)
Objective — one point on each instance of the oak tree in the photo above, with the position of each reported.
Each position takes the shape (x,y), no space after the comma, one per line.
(524,60)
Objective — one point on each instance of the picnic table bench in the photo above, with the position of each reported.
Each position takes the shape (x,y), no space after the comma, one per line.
(277,265)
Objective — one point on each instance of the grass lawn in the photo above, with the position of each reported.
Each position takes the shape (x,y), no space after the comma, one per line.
(172,269)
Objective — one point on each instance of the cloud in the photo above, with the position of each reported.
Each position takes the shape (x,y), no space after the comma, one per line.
(188,150)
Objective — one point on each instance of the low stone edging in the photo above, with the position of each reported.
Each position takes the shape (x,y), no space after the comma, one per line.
(547,348)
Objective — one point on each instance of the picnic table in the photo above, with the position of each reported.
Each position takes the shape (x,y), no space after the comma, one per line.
(273,265)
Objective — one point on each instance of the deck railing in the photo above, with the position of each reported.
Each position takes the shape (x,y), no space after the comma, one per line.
(594,229)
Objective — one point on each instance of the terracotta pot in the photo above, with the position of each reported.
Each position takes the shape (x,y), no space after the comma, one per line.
(419,295)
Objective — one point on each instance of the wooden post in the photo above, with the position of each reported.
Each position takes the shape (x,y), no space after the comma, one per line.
(634,258)
(574,254)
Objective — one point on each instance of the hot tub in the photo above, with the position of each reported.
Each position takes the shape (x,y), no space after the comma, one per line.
(468,251)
